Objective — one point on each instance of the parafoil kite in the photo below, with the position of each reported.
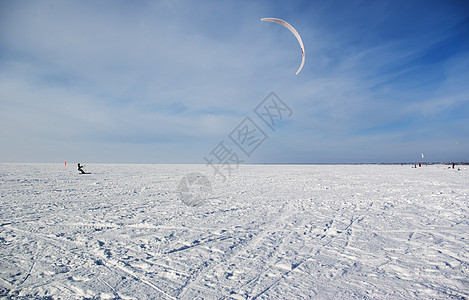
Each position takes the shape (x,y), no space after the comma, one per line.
(421,154)
(293,30)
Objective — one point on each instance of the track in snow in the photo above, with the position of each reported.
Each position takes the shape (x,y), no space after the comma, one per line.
(269,231)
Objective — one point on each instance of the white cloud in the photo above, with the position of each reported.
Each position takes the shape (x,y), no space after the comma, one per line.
(156,74)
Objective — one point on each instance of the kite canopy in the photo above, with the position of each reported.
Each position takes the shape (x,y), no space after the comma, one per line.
(297,35)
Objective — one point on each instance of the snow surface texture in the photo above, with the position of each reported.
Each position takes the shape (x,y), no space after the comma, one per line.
(367,231)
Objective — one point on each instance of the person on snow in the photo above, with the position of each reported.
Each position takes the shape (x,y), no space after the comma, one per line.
(80,168)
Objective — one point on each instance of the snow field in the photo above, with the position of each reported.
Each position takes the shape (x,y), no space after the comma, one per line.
(268,231)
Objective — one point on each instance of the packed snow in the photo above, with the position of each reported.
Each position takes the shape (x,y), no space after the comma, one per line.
(268,231)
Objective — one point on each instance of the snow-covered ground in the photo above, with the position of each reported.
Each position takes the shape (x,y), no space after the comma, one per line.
(283,231)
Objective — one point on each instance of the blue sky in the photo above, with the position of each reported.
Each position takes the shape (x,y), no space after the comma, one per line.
(166,81)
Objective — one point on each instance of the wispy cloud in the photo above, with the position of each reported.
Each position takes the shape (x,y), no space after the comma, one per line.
(167,80)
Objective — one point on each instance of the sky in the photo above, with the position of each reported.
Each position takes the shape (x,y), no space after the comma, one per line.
(170,81)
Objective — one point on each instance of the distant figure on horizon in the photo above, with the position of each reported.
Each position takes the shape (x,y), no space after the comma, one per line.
(453,165)
(80,168)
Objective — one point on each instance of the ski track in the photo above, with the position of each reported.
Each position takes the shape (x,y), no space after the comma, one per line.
(298,231)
